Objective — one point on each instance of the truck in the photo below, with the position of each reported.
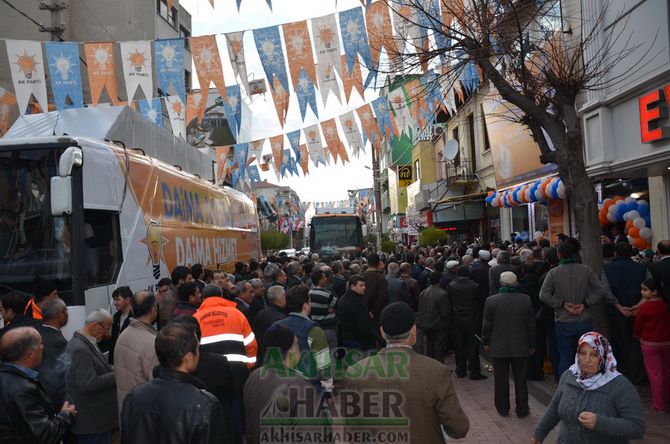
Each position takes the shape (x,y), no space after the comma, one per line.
(336,232)
(91,214)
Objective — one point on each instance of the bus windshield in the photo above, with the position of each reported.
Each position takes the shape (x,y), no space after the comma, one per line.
(334,233)
(32,241)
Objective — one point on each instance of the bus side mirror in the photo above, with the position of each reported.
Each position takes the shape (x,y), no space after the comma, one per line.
(61,195)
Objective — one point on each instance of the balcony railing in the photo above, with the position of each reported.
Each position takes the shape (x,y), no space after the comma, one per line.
(460,172)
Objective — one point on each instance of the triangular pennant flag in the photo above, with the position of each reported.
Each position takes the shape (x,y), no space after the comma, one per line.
(314,144)
(352,133)
(304,159)
(101,71)
(327,49)
(232,106)
(211,2)
(380,33)
(241,152)
(170,3)
(403,117)
(137,68)
(355,40)
(281,100)
(301,65)
(368,125)
(417,101)
(406,29)
(169,59)
(27,69)
(353,80)
(65,73)
(235,44)
(277,146)
(383,114)
(294,140)
(268,44)
(195,107)
(152,110)
(221,153)
(7,103)
(286,163)
(177,113)
(253,173)
(207,63)
(256,149)
(329,129)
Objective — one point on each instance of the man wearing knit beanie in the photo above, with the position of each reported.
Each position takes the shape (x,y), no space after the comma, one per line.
(422,385)
(508,332)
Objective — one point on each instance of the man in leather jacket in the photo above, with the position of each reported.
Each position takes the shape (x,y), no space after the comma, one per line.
(28,416)
(174,406)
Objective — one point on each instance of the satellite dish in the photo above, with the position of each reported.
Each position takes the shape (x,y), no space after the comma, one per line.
(451,149)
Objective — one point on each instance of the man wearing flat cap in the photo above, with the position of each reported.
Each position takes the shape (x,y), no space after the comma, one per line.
(508,332)
(420,387)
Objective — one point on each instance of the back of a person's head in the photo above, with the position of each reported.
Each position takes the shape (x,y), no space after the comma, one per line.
(196,271)
(623,249)
(186,290)
(143,302)
(317,275)
(393,269)
(174,341)
(296,297)
(212,290)
(663,247)
(434,277)
(293,267)
(373,260)
(503,257)
(16,343)
(189,322)
(275,293)
(462,272)
(179,273)
(14,301)
(239,267)
(550,254)
(565,250)
(51,308)
(405,268)
(42,288)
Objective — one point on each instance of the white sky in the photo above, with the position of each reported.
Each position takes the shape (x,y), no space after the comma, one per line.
(325,183)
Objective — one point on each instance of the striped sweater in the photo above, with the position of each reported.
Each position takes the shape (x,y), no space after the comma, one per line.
(322,307)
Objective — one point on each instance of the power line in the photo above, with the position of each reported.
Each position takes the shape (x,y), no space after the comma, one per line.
(41,26)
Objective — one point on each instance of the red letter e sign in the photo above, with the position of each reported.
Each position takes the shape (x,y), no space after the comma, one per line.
(653,109)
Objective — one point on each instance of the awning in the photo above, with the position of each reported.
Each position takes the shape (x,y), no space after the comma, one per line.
(463,198)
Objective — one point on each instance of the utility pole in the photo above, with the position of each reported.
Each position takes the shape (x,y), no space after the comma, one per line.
(378,197)
(56,8)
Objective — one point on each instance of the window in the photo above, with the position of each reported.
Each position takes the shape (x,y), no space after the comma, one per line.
(187,80)
(185,34)
(102,247)
(487,143)
(471,142)
(454,135)
(170,16)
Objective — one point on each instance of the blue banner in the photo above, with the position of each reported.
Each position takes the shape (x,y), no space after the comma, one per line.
(65,73)
(432,93)
(305,91)
(241,153)
(235,177)
(254,174)
(152,110)
(169,60)
(294,140)
(383,116)
(232,105)
(469,76)
(285,163)
(268,44)
(355,39)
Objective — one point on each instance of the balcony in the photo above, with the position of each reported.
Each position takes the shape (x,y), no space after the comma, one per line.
(461,172)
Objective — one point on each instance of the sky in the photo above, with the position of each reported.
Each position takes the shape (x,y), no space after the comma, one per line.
(325,183)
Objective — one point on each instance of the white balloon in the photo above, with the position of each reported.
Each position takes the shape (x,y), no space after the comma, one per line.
(625,215)
(538,194)
(611,217)
(642,202)
(561,193)
(629,199)
(645,233)
(630,239)
(639,222)
(600,207)
(612,209)
(633,214)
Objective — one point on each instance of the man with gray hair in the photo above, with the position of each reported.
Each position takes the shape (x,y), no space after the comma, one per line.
(428,268)
(28,416)
(294,274)
(55,362)
(504,265)
(275,310)
(429,400)
(397,288)
(244,296)
(494,254)
(90,383)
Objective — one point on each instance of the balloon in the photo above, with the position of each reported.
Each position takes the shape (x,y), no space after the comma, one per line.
(629,199)
(634,232)
(629,224)
(621,210)
(612,209)
(538,195)
(639,222)
(561,190)
(631,205)
(608,202)
(617,198)
(611,217)
(603,220)
(643,210)
(647,221)
(639,242)
(648,246)
(642,202)
(626,215)
(645,233)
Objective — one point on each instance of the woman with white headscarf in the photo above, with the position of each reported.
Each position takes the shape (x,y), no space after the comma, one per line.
(594,402)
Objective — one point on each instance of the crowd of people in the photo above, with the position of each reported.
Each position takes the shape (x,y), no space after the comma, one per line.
(210,354)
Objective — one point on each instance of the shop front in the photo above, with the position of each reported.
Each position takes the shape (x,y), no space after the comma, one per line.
(463,218)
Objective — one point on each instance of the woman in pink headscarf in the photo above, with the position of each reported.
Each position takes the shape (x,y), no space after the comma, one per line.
(593,402)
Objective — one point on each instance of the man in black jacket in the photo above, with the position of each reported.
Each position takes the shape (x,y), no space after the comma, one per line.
(467,307)
(124,311)
(433,318)
(357,329)
(275,311)
(174,407)
(28,417)
(55,362)
(294,274)
(397,288)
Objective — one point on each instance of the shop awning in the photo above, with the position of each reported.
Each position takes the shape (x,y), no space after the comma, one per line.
(463,198)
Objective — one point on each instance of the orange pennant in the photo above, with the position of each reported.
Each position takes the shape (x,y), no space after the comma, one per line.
(329,129)
(281,99)
(304,159)
(212,3)
(368,122)
(195,107)
(380,33)
(353,80)
(417,95)
(207,63)
(221,160)
(277,145)
(7,103)
(170,3)
(458,88)
(299,51)
(101,71)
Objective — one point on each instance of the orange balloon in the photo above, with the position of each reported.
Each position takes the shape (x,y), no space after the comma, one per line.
(617,198)
(629,224)
(639,242)
(603,220)
(634,232)
(607,203)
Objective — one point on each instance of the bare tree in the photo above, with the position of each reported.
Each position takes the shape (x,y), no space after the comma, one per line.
(522,49)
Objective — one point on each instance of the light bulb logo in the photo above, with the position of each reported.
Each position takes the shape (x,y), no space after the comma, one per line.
(349,123)
(101,56)
(63,66)
(168,54)
(154,242)
(27,65)
(137,60)
(327,37)
(152,115)
(236,49)
(206,57)
(177,108)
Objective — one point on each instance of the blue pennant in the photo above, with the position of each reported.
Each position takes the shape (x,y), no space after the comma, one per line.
(294,140)
(355,39)
(152,111)
(305,91)
(232,105)
(383,115)
(241,154)
(268,44)
(65,73)
(169,59)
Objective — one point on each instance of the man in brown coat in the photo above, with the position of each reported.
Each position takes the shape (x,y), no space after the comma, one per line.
(413,387)
(376,287)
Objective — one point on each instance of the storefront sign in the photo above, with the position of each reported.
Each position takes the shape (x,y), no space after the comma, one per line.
(404,175)
(557,219)
(403,221)
(654,109)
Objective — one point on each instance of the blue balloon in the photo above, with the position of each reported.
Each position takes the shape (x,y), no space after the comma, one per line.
(632,205)
(647,221)
(554,190)
(518,239)
(621,210)
(643,210)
